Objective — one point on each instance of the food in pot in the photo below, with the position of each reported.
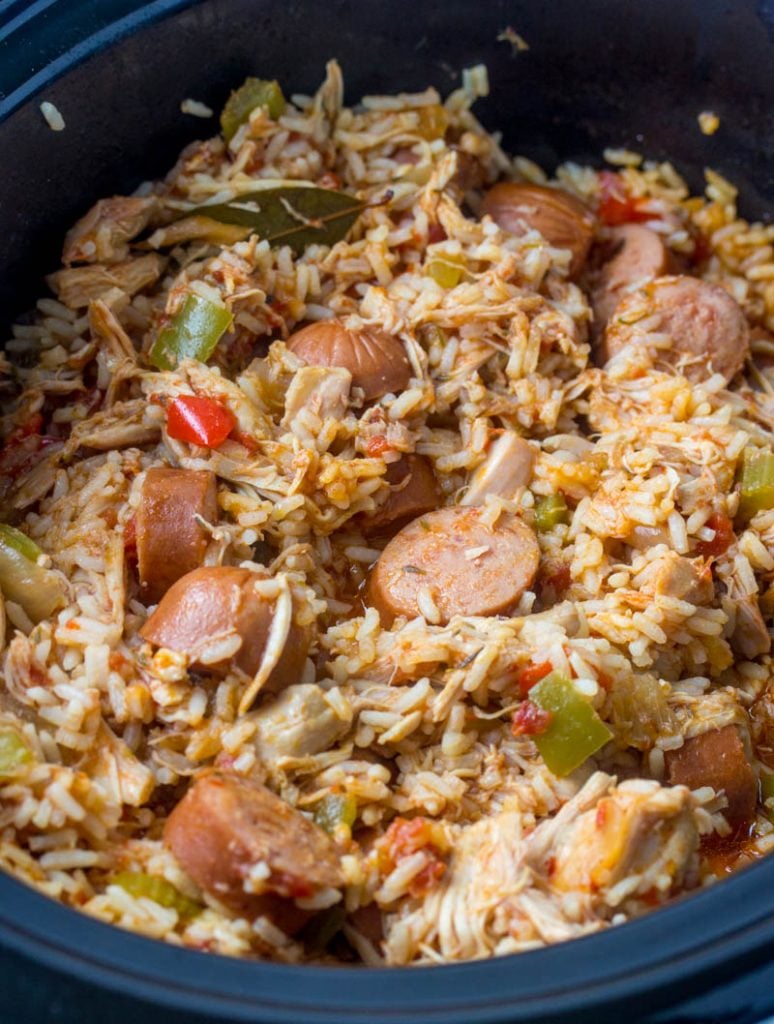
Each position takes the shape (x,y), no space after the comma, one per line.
(387,542)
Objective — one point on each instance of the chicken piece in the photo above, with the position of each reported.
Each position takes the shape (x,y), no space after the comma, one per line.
(112,764)
(223,618)
(559,217)
(454,558)
(506,468)
(252,851)
(376,360)
(103,234)
(706,327)
(76,287)
(413,491)
(170,538)
(300,722)
(718,758)
(124,425)
(687,579)
(750,636)
(108,332)
(638,832)
(316,393)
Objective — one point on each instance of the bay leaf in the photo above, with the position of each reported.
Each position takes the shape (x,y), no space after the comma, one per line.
(297,216)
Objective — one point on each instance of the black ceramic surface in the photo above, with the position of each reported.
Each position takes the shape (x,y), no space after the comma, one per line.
(598,73)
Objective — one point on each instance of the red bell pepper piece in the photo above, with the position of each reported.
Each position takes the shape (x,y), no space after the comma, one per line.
(199,420)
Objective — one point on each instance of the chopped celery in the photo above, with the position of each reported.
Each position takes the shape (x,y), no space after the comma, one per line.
(39,591)
(20,542)
(756,482)
(194,332)
(575,731)
(158,889)
(446,271)
(14,752)
(335,809)
(550,511)
(252,93)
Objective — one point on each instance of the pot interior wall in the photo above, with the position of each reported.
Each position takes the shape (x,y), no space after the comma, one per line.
(601,73)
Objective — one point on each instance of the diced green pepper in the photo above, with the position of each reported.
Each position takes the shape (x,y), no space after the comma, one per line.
(194,332)
(575,730)
(445,271)
(756,482)
(137,883)
(335,809)
(252,93)
(39,591)
(14,752)
(550,511)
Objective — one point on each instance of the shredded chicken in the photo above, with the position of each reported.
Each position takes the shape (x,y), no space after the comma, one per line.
(76,287)
(103,234)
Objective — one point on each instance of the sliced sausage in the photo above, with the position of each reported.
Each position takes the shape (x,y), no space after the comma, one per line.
(170,541)
(376,360)
(707,328)
(413,491)
(718,759)
(507,467)
(225,826)
(219,618)
(462,564)
(561,219)
(634,255)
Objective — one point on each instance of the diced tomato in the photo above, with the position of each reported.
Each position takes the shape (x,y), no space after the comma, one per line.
(199,420)
(23,447)
(530,720)
(405,837)
(435,233)
(616,206)
(426,880)
(724,536)
(377,445)
(532,674)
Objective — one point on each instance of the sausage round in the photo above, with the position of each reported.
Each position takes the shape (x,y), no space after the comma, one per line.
(561,219)
(216,616)
(635,254)
(465,566)
(413,491)
(708,329)
(170,541)
(718,759)
(376,360)
(226,825)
